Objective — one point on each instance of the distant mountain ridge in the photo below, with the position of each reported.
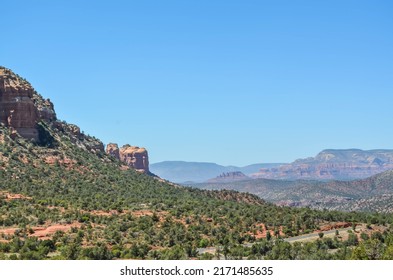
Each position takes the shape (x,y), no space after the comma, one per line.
(187,172)
(63,197)
(371,194)
(331,164)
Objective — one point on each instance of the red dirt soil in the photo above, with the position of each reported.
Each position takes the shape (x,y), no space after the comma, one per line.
(44,232)
(334,226)
(262,233)
(13,196)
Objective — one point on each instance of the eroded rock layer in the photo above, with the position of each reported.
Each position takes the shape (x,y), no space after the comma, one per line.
(333,165)
(134,157)
(29,115)
(21,108)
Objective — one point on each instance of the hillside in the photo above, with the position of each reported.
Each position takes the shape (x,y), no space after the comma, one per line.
(370,194)
(198,172)
(63,197)
(328,165)
(332,164)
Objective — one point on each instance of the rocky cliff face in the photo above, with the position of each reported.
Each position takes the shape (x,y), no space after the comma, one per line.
(113,150)
(134,157)
(21,108)
(333,165)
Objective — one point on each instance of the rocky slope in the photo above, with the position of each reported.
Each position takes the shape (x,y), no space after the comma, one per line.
(370,194)
(333,165)
(27,114)
(21,108)
(134,157)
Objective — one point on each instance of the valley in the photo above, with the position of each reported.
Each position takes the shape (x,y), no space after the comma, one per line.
(370,194)
(63,196)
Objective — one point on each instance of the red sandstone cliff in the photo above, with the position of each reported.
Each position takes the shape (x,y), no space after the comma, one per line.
(21,108)
(135,157)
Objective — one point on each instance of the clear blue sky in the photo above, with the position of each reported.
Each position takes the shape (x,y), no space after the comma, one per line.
(231,82)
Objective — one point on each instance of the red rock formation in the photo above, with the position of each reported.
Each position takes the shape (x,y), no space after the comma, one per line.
(17,107)
(75,130)
(46,110)
(20,106)
(113,150)
(333,165)
(135,157)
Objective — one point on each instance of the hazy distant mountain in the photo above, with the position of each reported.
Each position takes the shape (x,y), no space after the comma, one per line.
(349,164)
(181,171)
(333,165)
(371,194)
(55,181)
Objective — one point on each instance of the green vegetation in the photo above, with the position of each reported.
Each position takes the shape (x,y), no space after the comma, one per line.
(45,138)
(106,213)
(371,194)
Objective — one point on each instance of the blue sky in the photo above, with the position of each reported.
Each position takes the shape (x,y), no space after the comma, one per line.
(231,82)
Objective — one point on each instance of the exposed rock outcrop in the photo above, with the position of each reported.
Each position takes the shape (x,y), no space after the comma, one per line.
(31,116)
(17,109)
(113,150)
(21,108)
(134,157)
(77,137)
